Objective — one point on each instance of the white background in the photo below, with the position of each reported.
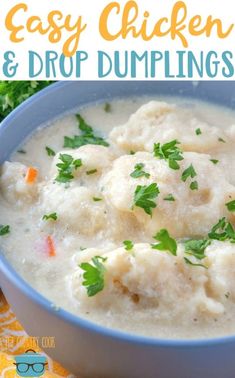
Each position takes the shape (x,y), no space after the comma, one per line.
(91,41)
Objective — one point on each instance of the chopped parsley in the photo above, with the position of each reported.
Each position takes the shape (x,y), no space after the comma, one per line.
(52,216)
(194,264)
(87,136)
(91,172)
(97,199)
(223,231)
(139,172)
(4,230)
(94,275)
(107,107)
(170,197)
(194,185)
(169,152)
(66,168)
(128,245)
(23,152)
(231,206)
(13,93)
(166,242)
(214,161)
(198,131)
(196,247)
(144,196)
(221,140)
(49,151)
(189,172)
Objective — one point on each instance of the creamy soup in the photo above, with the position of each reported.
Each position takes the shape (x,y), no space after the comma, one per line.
(124,214)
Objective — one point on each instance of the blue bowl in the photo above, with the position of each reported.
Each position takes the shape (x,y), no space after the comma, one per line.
(86,349)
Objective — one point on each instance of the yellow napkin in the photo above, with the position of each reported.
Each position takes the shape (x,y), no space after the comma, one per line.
(15,341)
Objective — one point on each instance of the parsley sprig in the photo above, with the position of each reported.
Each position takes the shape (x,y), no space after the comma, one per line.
(231,206)
(49,151)
(128,244)
(13,93)
(107,107)
(66,168)
(189,262)
(169,152)
(190,173)
(214,161)
(139,172)
(52,216)
(196,248)
(4,230)
(169,198)
(87,136)
(94,275)
(167,243)
(223,231)
(144,196)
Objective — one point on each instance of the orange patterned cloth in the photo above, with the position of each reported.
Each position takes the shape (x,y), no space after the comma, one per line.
(15,341)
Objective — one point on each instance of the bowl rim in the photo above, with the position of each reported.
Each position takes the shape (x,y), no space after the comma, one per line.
(124,336)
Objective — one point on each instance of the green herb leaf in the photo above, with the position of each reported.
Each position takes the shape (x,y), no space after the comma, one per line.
(128,245)
(193,264)
(198,131)
(23,152)
(166,242)
(189,172)
(223,231)
(96,199)
(107,107)
(144,196)
(13,93)
(91,172)
(139,172)
(52,216)
(67,167)
(231,206)
(196,247)
(169,152)
(83,125)
(214,161)
(194,185)
(50,152)
(81,140)
(77,163)
(170,197)
(94,275)
(221,140)
(87,136)
(4,230)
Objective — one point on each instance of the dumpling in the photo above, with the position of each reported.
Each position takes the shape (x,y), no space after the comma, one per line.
(157,122)
(13,184)
(144,279)
(192,212)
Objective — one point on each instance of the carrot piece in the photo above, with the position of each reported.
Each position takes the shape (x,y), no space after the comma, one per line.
(51,246)
(31,175)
